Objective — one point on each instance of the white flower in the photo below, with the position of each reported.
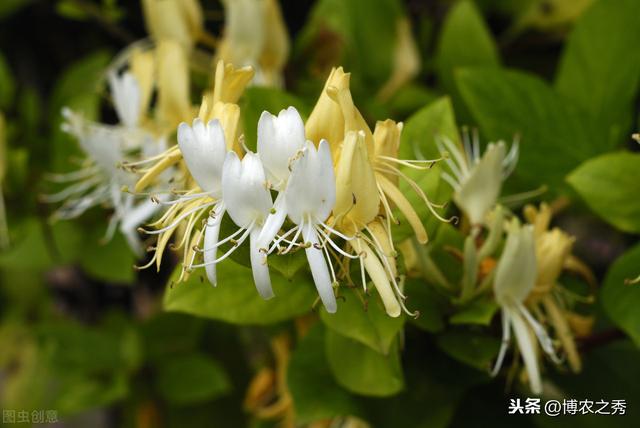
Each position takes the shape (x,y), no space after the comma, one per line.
(309,197)
(204,150)
(279,140)
(514,279)
(244,197)
(476,179)
(100,181)
(248,202)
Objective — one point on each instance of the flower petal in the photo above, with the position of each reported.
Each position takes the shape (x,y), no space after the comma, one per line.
(259,266)
(319,270)
(279,138)
(203,149)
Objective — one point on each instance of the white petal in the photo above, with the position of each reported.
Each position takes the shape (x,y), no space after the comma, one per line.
(481,188)
(527,349)
(133,218)
(126,98)
(203,149)
(319,270)
(311,188)
(244,189)
(273,223)
(279,139)
(259,267)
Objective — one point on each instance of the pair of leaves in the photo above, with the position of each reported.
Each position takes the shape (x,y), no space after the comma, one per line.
(586,114)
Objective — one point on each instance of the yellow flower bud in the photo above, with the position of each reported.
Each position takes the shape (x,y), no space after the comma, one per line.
(357,198)
(326,121)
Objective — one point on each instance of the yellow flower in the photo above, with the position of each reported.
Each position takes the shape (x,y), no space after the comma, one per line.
(174,104)
(357,199)
(178,20)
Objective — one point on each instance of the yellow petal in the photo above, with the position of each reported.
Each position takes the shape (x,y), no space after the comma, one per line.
(174,105)
(326,121)
(142,67)
(357,198)
(552,249)
(381,236)
(378,276)
(405,207)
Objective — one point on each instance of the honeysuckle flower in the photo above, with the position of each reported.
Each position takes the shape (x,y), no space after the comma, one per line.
(203,148)
(178,20)
(515,277)
(309,198)
(101,180)
(279,140)
(255,35)
(477,180)
(248,203)
(553,252)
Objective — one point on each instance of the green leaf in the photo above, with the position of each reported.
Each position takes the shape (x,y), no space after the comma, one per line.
(418,142)
(257,99)
(554,135)
(356,35)
(7,84)
(465,41)
(470,347)
(75,394)
(597,72)
(107,348)
(191,379)
(619,300)
(609,185)
(111,262)
(236,299)
(316,395)
(38,245)
(368,325)
(362,370)
(430,305)
(479,311)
